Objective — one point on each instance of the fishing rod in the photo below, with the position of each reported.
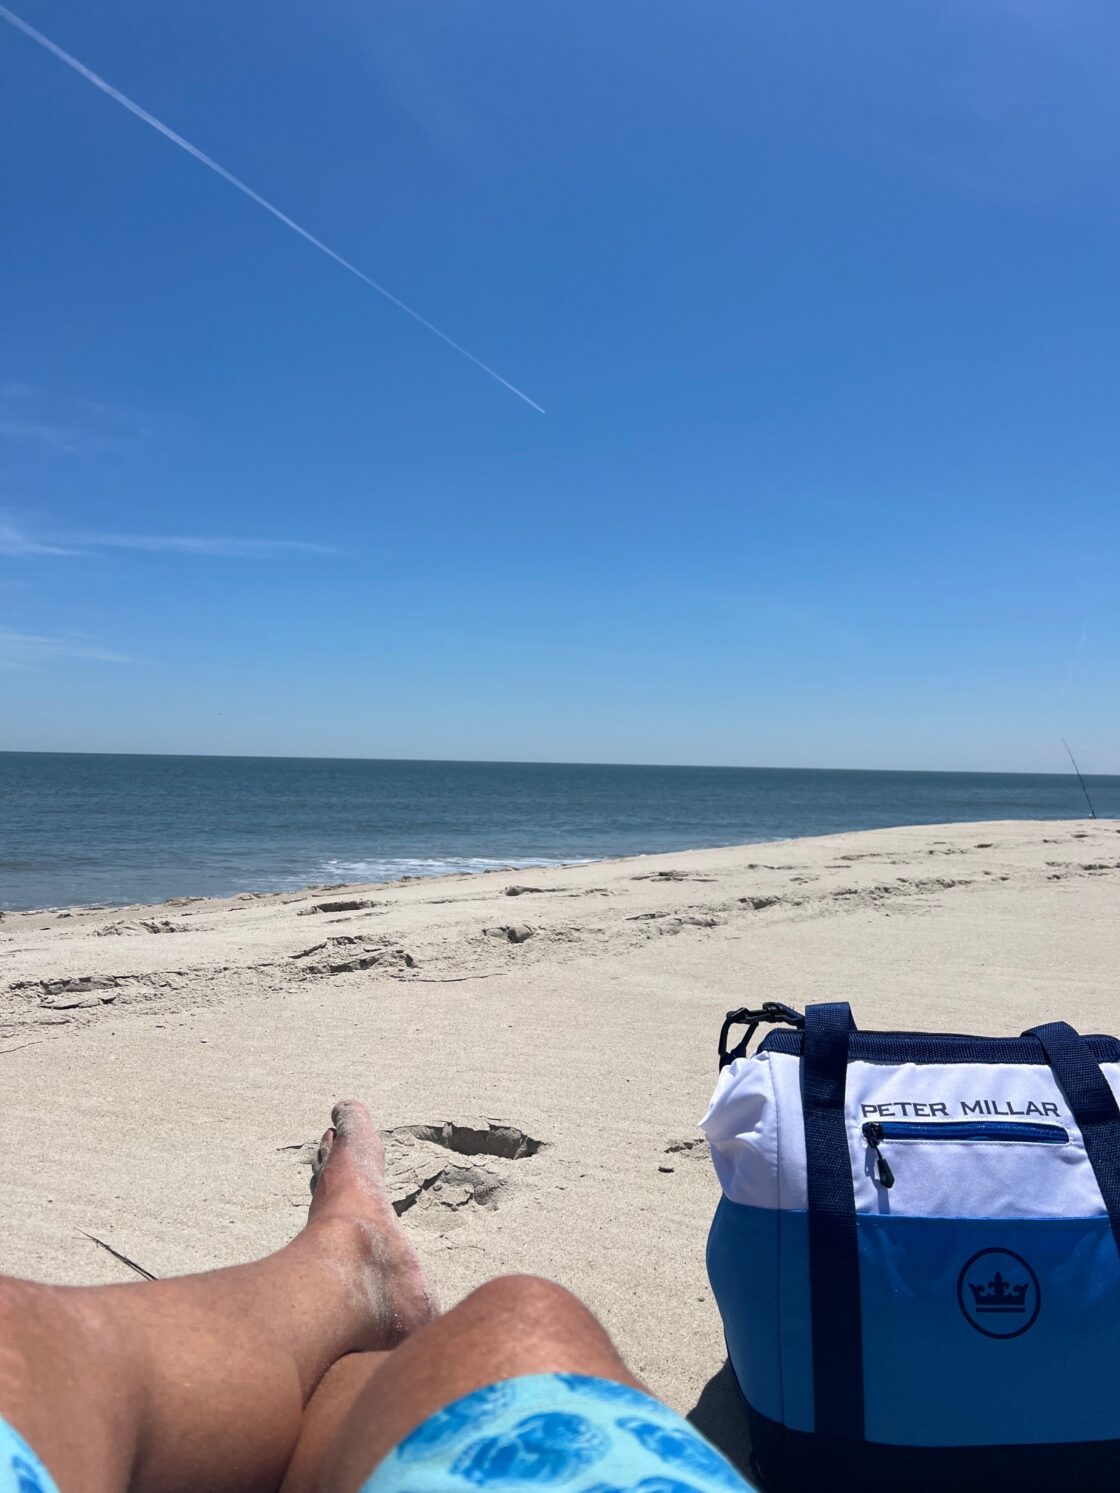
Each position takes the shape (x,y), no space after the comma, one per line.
(1080,779)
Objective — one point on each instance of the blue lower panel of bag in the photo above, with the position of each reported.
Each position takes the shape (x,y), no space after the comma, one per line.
(758,1264)
(981,1333)
(975,1332)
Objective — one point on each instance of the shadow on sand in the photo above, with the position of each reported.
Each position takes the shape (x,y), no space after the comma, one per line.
(719,1415)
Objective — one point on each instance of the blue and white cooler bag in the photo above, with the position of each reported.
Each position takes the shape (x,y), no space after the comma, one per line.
(916,1254)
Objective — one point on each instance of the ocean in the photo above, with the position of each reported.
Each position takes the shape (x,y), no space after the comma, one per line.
(119,829)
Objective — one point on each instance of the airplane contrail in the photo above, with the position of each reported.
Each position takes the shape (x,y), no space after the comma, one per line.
(192,150)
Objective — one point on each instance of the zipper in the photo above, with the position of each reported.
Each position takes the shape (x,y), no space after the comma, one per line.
(875,1132)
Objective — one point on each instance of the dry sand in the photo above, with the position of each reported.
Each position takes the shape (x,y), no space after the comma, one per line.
(164,1067)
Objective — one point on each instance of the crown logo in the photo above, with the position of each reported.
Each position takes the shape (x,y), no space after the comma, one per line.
(999,1296)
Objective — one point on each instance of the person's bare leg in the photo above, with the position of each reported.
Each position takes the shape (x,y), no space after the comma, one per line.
(201,1382)
(513,1326)
(335,1396)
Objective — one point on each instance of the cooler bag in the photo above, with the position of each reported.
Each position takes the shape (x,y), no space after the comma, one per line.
(916,1254)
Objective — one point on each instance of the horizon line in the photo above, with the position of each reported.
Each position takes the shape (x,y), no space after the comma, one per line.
(548,762)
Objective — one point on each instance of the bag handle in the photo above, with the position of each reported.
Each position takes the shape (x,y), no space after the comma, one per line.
(834,1294)
(1092,1104)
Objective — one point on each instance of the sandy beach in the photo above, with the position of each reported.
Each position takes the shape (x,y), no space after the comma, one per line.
(537,1046)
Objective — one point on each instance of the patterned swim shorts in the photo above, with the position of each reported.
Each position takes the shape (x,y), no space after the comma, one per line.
(20,1469)
(562,1431)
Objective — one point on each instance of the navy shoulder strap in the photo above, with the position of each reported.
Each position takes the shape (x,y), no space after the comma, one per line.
(1092,1104)
(833,1244)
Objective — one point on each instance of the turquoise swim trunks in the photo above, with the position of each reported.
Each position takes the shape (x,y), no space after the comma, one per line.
(20,1469)
(562,1431)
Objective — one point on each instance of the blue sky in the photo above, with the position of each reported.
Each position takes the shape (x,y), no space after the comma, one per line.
(821,302)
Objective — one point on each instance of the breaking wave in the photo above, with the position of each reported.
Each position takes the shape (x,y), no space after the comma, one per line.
(392,868)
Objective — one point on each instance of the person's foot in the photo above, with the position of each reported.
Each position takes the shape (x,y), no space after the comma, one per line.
(348,1190)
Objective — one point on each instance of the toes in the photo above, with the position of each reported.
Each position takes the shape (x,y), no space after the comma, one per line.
(322,1156)
(350,1115)
(355,1137)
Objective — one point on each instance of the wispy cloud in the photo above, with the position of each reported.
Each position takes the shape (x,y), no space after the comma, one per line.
(421,84)
(65,439)
(73,426)
(15,543)
(219,547)
(26,650)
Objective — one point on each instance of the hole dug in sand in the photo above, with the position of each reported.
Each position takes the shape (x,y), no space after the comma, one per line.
(420,1175)
(483,1138)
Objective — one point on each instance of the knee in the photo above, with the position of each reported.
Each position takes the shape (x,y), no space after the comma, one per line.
(527,1299)
(526,1325)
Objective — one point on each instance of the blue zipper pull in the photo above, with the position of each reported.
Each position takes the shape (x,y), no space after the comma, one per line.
(873,1134)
